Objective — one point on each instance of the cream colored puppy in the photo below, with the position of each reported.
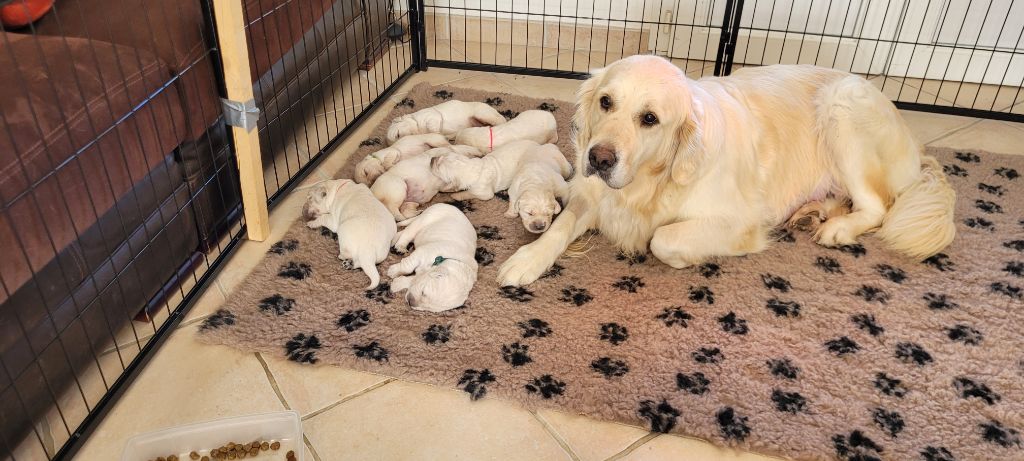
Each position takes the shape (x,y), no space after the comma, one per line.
(535,125)
(410,183)
(443,263)
(377,163)
(539,188)
(364,227)
(480,178)
(447,118)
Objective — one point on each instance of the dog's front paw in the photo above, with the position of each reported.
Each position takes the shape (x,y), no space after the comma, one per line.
(312,224)
(524,267)
(835,232)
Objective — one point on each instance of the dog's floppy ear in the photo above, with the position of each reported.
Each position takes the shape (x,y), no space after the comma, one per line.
(692,143)
(584,108)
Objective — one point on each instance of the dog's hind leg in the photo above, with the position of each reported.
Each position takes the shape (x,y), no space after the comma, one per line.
(691,242)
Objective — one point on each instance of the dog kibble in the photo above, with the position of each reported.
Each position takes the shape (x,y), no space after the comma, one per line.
(205,458)
(264,446)
(253,451)
(275,446)
(193,455)
(172,458)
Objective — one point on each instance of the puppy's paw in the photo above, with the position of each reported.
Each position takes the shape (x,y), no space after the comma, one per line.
(524,267)
(511,214)
(312,224)
(836,232)
(394,271)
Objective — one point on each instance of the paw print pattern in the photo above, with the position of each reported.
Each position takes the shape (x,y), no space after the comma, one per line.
(890,422)
(517,294)
(994,190)
(695,383)
(995,432)
(842,346)
(375,141)
(732,425)
(406,102)
(509,114)
(576,295)
(488,233)
(443,95)
(867,323)
(629,283)
(912,353)
(675,315)
(631,258)
(829,265)
(516,354)
(554,271)
(534,328)
(707,355)
(294,270)
(784,236)
(464,206)
(774,282)
(954,170)
(548,107)
(614,333)
(980,223)
(939,302)
(1015,245)
(940,261)
(474,382)
(353,320)
(783,368)
(546,385)
(964,334)
(222,317)
(968,157)
(302,348)
(889,386)
(437,334)
(856,250)
(1015,268)
(967,388)
(660,415)
(502,195)
(609,367)
(494,102)
(710,270)
(731,324)
(1004,288)
(931,453)
(284,246)
(789,402)
(872,294)
(484,257)
(382,294)
(372,351)
(1008,173)
(893,274)
(988,206)
(277,304)
(325,232)
(702,294)
(783,308)
(856,447)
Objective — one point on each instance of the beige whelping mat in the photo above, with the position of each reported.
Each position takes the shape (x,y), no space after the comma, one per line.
(852,353)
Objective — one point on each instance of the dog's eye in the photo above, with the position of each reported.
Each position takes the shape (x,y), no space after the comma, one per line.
(649,119)
(606,102)
(323,194)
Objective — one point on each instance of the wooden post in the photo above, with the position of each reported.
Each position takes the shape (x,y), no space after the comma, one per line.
(234,53)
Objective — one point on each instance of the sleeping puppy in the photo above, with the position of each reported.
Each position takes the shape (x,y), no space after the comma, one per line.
(535,125)
(364,227)
(480,178)
(446,118)
(410,183)
(539,188)
(443,262)
(378,162)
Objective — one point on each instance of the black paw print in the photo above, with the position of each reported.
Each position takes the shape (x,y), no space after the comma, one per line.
(1007,289)
(774,282)
(474,382)
(707,355)
(695,383)
(828,265)
(382,294)
(889,385)
(1008,173)
(534,328)
(789,402)
(294,270)
(890,422)
(954,170)
(554,271)
(548,107)
(494,102)
(867,323)
(517,294)
(218,319)
(284,246)
(614,333)
(894,274)
(912,353)
(783,308)
(516,354)
(842,346)
(994,190)
(968,388)
(980,223)
(783,368)
(856,250)
(1015,268)
(675,315)
(631,258)
(732,425)
(931,453)
(406,102)
(277,304)
(988,206)
(629,283)
(702,294)
(1015,245)
(547,386)
(347,264)
(302,348)
(856,447)
(710,270)
(968,157)
(502,195)
(464,206)
(783,235)
(437,334)
(964,334)
(372,351)
(993,431)
(509,114)
(325,232)
(610,368)
(375,141)
(731,324)
(662,416)
(443,95)
(488,233)
(872,294)
(484,257)
(940,261)
(575,295)
(353,320)
(939,302)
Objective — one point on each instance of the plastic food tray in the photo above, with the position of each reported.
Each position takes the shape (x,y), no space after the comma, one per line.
(282,426)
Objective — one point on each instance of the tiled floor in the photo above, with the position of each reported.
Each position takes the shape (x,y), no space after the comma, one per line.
(354,415)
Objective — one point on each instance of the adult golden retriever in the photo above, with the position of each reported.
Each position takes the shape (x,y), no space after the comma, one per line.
(698,169)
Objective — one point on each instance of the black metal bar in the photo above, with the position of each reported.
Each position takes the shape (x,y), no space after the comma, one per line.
(538,72)
(961,111)
(734,36)
(417,33)
(727,40)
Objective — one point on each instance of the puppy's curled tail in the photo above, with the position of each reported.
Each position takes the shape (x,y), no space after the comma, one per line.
(920,222)
(368,263)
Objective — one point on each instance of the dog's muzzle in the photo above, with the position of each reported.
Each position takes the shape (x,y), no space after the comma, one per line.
(601,159)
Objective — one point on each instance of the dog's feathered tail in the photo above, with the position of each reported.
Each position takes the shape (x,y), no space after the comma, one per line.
(920,222)
(368,263)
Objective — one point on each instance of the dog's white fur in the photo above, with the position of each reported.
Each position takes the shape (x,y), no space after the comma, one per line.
(375,164)
(410,183)
(539,188)
(364,227)
(538,126)
(447,118)
(440,231)
(730,158)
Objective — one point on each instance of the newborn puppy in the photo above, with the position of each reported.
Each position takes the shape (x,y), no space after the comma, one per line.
(446,118)
(378,162)
(539,188)
(480,178)
(410,183)
(443,262)
(535,125)
(364,227)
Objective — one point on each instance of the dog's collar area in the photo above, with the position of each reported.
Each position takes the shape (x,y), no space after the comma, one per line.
(440,259)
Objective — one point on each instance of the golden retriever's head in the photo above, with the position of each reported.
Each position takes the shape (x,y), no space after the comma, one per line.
(634,116)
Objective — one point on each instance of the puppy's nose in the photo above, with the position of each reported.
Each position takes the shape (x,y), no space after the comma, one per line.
(538,226)
(603,158)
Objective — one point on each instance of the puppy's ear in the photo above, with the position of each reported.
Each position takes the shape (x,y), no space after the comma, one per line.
(585,108)
(558,206)
(433,123)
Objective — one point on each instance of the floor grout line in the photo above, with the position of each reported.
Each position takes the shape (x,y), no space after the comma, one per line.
(273,381)
(633,446)
(309,446)
(348,398)
(953,131)
(558,438)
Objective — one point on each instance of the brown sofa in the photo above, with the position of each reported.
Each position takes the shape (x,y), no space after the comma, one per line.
(114,169)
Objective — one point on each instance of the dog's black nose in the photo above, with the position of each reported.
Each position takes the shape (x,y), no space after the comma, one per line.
(538,226)
(603,158)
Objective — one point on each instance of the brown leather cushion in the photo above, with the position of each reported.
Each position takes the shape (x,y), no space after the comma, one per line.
(70,143)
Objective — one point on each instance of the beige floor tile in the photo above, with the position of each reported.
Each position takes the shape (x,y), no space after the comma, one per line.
(591,439)
(309,388)
(972,95)
(407,421)
(990,135)
(667,447)
(542,87)
(185,382)
(135,334)
(928,126)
